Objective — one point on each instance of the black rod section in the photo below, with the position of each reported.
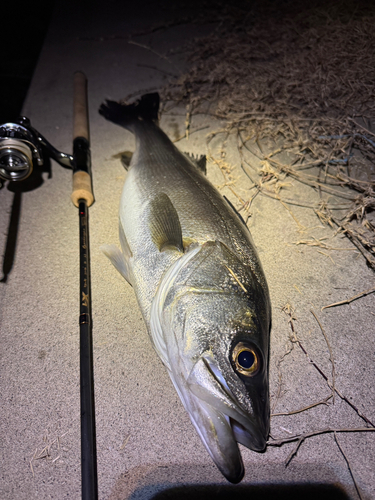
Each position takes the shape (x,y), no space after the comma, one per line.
(88,434)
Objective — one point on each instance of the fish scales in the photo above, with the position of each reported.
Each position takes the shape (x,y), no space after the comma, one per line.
(200,287)
(162,168)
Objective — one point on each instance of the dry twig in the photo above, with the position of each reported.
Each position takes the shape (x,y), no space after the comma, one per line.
(347,301)
(330,353)
(287,309)
(348,464)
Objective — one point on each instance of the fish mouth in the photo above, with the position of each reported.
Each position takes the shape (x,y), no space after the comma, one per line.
(220,421)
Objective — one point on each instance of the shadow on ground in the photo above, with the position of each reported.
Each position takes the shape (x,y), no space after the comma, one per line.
(203,483)
(259,492)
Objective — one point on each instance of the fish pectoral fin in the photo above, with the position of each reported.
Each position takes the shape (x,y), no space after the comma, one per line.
(164,224)
(118,260)
(199,161)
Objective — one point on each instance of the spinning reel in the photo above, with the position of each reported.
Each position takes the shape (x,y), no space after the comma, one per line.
(21,147)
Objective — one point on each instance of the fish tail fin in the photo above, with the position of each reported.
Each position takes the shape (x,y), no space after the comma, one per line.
(144,109)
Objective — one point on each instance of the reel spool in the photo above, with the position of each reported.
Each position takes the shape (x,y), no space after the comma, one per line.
(21,149)
(18,151)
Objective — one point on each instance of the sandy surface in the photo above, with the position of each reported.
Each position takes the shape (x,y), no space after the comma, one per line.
(146,443)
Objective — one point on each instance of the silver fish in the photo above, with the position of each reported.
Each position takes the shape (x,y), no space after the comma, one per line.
(200,286)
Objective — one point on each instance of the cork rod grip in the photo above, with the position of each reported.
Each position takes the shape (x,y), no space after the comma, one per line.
(82,189)
(82,184)
(80,111)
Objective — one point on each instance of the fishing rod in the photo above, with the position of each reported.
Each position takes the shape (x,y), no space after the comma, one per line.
(82,197)
(22,148)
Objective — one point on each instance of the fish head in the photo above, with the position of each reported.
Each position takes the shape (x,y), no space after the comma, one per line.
(216,321)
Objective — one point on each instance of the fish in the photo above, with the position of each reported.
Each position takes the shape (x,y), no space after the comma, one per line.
(200,286)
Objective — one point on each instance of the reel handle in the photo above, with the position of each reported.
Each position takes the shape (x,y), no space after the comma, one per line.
(82,182)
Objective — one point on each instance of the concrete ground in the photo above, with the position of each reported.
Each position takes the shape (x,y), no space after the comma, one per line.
(147,447)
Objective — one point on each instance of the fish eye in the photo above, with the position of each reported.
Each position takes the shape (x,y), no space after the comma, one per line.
(246,359)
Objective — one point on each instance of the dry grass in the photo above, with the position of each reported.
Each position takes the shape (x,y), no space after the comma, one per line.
(296,87)
(329,399)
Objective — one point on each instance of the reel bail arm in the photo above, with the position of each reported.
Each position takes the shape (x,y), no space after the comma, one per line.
(21,146)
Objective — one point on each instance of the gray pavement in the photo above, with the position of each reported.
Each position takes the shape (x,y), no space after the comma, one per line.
(146,443)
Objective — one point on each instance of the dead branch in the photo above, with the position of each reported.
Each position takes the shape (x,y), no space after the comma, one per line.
(305,408)
(348,464)
(330,353)
(347,301)
(328,430)
(288,310)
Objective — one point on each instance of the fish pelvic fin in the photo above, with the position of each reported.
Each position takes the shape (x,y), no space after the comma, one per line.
(125,157)
(164,224)
(118,260)
(124,244)
(145,108)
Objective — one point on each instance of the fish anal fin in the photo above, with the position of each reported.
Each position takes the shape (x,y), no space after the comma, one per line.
(164,224)
(118,260)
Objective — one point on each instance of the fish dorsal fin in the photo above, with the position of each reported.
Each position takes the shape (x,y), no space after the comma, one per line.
(164,224)
(199,161)
(202,164)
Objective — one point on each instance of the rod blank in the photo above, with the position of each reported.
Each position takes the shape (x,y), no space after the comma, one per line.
(88,433)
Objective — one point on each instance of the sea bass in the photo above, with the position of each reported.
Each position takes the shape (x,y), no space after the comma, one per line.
(200,286)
